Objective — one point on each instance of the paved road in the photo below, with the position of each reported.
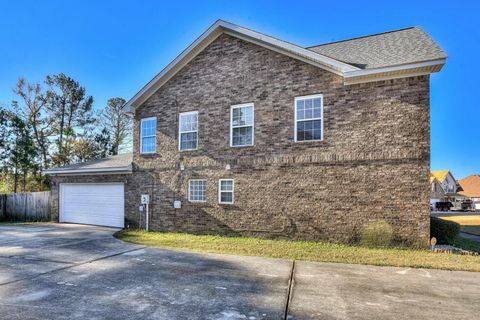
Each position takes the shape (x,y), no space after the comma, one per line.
(59,271)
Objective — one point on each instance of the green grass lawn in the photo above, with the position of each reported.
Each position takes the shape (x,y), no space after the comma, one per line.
(24,222)
(302,250)
(468,223)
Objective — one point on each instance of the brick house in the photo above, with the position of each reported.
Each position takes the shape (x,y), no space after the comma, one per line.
(246,134)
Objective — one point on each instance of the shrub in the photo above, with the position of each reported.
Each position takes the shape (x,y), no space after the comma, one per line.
(445,231)
(377,234)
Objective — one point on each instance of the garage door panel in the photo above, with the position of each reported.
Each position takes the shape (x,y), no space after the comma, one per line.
(99,204)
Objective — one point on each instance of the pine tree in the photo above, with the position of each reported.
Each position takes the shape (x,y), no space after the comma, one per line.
(118,124)
(70,109)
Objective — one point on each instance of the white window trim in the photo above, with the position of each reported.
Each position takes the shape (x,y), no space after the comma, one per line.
(206,188)
(180,130)
(313,96)
(141,136)
(251,104)
(220,191)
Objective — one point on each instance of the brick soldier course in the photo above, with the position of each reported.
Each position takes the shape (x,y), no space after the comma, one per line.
(373,163)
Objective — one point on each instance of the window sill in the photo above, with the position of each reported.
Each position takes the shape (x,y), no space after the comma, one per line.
(306,141)
(243,146)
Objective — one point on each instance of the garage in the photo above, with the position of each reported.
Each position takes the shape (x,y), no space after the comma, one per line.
(91,192)
(92,203)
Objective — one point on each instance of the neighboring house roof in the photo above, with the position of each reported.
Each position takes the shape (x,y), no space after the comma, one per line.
(440,175)
(387,57)
(409,45)
(121,163)
(470,186)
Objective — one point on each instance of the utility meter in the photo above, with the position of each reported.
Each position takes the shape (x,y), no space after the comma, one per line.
(145,199)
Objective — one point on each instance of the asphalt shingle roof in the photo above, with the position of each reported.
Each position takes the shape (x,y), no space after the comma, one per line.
(118,161)
(392,48)
(471,186)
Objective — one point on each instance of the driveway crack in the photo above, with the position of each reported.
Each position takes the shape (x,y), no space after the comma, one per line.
(291,281)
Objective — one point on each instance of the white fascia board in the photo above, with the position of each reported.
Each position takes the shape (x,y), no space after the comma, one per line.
(216,30)
(129,106)
(127,169)
(348,72)
(368,72)
(332,63)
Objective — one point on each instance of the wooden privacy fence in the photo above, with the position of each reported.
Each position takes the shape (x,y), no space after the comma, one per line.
(30,206)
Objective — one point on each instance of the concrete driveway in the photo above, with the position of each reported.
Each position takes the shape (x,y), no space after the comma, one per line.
(59,271)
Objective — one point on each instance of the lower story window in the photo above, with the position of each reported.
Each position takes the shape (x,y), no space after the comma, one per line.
(225,191)
(197,190)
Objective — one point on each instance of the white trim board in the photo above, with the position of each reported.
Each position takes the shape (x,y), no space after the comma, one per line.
(212,33)
(150,136)
(243,105)
(117,170)
(350,73)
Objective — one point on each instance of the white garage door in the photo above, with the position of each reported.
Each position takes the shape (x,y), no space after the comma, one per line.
(92,203)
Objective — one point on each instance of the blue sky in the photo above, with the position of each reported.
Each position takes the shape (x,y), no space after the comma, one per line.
(114,47)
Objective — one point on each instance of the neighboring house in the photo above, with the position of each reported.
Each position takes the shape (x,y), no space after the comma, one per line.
(246,134)
(471,189)
(447,180)
(450,187)
(437,194)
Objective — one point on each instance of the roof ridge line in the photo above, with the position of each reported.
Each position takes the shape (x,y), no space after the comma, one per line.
(362,37)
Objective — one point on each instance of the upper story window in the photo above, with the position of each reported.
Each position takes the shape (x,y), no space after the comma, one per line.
(188,131)
(148,140)
(197,190)
(309,118)
(225,191)
(241,125)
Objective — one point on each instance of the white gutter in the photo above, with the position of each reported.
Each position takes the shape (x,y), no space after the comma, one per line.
(359,73)
(127,169)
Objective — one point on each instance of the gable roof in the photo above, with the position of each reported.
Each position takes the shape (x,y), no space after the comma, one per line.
(440,175)
(470,186)
(121,163)
(350,71)
(409,45)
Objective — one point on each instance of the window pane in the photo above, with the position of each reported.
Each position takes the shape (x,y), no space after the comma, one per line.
(242,116)
(198,190)
(148,144)
(301,104)
(188,122)
(309,109)
(242,136)
(300,114)
(309,130)
(148,128)
(226,185)
(226,197)
(188,141)
(308,113)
